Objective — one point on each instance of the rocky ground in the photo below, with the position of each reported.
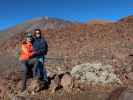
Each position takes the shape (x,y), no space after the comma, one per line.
(67,86)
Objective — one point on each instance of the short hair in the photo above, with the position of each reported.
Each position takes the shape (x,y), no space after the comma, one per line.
(40,32)
(37,30)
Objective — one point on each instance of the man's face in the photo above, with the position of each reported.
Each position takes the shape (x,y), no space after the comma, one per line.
(38,34)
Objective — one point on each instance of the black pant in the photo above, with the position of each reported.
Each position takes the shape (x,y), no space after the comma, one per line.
(28,66)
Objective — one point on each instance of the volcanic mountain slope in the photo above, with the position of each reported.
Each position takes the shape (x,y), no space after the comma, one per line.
(42,23)
(10,38)
(80,43)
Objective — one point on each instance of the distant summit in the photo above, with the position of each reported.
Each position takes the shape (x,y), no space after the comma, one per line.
(128,19)
(98,22)
(41,23)
(49,23)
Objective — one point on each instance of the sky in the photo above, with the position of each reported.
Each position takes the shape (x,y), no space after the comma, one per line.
(14,12)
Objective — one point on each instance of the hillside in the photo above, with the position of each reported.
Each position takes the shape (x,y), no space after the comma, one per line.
(72,43)
(74,40)
(42,23)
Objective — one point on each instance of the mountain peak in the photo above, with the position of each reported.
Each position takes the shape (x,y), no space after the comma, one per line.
(98,22)
(128,19)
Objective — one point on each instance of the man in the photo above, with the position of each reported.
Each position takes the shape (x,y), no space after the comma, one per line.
(41,47)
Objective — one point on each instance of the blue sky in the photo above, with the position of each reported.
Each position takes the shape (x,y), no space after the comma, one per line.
(13,12)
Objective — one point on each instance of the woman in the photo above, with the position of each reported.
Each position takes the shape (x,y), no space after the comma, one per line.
(26,54)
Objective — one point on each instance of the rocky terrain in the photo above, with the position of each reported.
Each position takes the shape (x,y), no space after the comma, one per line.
(89,60)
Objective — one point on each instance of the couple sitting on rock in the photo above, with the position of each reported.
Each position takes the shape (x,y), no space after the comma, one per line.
(33,51)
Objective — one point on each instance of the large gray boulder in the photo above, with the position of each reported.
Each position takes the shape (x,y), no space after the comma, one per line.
(95,73)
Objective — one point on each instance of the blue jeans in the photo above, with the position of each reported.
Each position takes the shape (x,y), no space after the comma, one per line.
(40,71)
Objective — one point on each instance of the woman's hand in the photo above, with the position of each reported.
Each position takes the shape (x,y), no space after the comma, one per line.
(33,54)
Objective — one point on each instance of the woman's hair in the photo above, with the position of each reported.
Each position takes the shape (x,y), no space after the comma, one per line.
(24,41)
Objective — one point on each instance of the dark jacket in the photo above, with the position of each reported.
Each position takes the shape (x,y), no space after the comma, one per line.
(40,46)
